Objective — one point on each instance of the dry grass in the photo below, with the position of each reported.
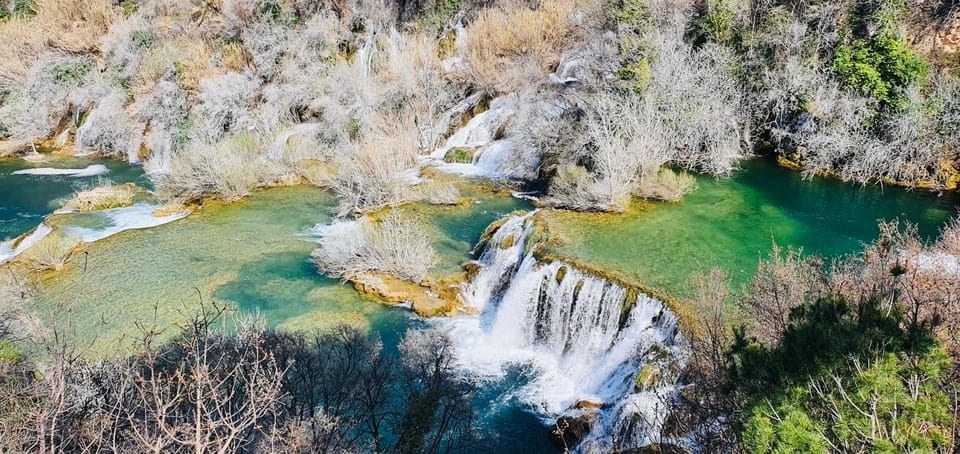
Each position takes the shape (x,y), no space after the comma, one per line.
(69,26)
(102,198)
(438,193)
(509,45)
(235,57)
(186,60)
(51,253)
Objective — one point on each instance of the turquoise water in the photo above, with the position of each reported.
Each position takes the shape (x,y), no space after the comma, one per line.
(251,256)
(26,199)
(732,223)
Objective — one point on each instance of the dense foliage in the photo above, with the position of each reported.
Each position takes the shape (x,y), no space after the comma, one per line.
(857,356)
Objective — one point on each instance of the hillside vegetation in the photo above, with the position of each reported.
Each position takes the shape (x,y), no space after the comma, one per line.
(217,97)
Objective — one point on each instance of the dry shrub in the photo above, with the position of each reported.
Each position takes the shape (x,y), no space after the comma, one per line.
(69,26)
(666,185)
(392,245)
(110,130)
(379,170)
(39,106)
(53,252)
(226,106)
(226,170)
(102,197)
(185,60)
(510,45)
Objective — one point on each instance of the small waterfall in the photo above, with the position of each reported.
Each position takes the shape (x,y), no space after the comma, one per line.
(364,56)
(588,340)
(116,220)
(12,248)
(279,148)
(493,152)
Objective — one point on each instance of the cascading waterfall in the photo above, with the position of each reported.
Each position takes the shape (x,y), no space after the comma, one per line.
(586,337)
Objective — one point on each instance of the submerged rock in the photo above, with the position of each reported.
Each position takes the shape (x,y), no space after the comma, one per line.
(426,301)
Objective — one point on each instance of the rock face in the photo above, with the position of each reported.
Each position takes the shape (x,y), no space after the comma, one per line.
(575,424)
(948,37)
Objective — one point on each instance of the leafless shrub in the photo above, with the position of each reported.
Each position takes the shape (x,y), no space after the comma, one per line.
(392,245)
(228,170)
(698,103)
(624,144)
(784,281)
(125,44)
(164,110)
(378,171)
(110,130)
(36,109)
(225,107)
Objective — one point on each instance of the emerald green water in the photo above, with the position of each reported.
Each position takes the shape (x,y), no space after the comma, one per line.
(731,223)
(247,254)
(26,199)
(252,255)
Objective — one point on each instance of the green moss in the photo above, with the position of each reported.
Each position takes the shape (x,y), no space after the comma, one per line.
(561,273)
(463,155)
(8,353)
(648,377)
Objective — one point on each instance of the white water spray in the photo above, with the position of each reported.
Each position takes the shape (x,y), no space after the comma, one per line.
(88,171)
(586,337)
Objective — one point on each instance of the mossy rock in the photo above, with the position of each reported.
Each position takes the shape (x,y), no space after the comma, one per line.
(561,273)
(462,155)
(508,242)
(648,377)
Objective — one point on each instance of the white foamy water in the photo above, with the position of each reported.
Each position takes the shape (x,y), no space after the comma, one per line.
(88,171)
(139,216)
(481,134)
(569,326)
(9,251)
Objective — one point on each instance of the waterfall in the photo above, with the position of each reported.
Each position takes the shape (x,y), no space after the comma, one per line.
(279,148)
(12,248)
(116,220)
(586,338)
(495,156)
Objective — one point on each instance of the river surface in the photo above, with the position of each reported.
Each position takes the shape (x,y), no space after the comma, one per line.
(732,223)
(254,254)
(26,199)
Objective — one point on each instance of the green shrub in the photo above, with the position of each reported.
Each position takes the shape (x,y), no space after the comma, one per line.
(70,74)
(462,155)
(24,8)
(716,23)
(142,38)
(881,67)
